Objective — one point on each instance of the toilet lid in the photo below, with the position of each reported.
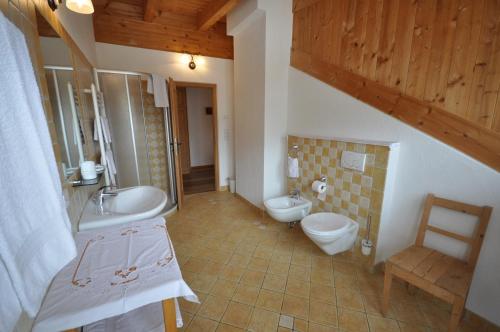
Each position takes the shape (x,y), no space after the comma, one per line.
(324,223)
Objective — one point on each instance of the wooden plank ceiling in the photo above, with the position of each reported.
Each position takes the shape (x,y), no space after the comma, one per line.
(433,64)
(186,26)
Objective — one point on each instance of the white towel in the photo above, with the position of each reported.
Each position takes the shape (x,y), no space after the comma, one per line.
(148,318)
(149,88)
(106,133)
(159,86)
(96,131)
(293,167)
(111,167)
(9,306)
(35,232)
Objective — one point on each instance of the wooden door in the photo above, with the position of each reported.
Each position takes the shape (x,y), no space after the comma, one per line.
(183,130)
(172,89)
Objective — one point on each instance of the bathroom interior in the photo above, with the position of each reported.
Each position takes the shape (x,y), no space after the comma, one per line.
(249,165)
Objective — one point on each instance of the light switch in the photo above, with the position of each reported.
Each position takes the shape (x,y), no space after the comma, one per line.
(353,160)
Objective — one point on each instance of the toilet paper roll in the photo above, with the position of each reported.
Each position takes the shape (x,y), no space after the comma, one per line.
(319,187)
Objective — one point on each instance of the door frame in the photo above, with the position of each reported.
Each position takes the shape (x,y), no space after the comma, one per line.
(215,131)
(185,168)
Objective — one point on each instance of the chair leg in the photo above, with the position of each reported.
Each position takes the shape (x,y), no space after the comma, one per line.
(456,314)
(387,288)
(169,319)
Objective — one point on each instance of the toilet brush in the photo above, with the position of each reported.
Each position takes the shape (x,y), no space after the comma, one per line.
(366,244)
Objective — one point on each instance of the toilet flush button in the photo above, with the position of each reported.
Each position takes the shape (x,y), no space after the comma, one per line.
(353,160)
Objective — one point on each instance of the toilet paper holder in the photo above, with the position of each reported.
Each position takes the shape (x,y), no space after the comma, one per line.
(323,179)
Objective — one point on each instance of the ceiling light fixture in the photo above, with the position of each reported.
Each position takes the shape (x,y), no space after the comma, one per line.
(80,6)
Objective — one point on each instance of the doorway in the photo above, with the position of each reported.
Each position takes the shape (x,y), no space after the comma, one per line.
(195,115)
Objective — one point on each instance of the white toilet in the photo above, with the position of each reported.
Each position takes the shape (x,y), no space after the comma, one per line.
(332,232)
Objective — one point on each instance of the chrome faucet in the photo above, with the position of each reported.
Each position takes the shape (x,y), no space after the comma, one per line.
(100,195)
(295,194)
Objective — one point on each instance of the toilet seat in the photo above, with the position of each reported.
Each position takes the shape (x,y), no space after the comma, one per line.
(323,225)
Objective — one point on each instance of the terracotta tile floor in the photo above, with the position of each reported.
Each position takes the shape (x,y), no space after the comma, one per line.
(248,270)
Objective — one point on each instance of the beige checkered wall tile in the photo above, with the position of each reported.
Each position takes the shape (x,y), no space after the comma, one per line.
(155,134)
(351,193)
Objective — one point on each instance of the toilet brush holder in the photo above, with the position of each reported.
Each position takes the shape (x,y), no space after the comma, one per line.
(366,244)
(366,247)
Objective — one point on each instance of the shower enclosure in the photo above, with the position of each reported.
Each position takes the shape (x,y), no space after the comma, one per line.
(140,133)
(68,124)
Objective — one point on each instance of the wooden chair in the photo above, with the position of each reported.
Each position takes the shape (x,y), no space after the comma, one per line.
(443,276)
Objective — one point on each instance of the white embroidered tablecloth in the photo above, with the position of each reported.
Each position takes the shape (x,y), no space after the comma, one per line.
(118,269)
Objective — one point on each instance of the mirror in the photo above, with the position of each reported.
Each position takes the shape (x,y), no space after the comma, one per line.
(68,78)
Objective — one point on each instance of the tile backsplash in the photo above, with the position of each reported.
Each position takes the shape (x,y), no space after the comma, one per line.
(350,193)
(155,134)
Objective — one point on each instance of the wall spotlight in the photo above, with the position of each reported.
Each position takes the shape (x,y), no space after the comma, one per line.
(192,64)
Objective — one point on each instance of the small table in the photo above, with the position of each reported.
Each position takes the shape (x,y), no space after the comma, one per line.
(117,269)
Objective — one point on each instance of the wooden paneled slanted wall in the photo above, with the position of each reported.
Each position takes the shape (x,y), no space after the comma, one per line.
(434,64)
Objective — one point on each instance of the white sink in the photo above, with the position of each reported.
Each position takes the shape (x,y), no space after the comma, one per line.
(131,204)
(288,209)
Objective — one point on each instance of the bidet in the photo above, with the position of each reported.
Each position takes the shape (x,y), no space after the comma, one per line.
(288,209)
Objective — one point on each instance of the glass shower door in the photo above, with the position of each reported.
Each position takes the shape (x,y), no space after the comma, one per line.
(122,96)
(140,133)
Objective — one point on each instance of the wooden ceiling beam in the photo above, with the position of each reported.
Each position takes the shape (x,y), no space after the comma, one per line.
(163,35)
(151,10)
(213,12)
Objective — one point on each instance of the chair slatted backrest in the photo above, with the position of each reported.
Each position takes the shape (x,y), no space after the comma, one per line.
(475,241)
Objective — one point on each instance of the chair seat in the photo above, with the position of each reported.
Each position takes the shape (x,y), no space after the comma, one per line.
(437,268)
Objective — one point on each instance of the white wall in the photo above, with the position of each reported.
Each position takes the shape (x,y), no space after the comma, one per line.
(249,103)
(262,32)
(55,52)
(201,143)
(81,29)
(278,43)
(425,165)
(169,64)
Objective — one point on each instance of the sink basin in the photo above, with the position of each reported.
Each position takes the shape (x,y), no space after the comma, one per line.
(131,204)
(288,209)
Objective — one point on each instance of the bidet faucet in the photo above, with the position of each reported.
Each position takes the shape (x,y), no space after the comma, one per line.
(100,195)
(295,193)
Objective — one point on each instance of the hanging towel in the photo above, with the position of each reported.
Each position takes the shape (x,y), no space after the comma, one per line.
(96,132)
(105,130)
(293,167)
(35,232)
(9,306)
(159,88)
(110,162)
(149,88)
